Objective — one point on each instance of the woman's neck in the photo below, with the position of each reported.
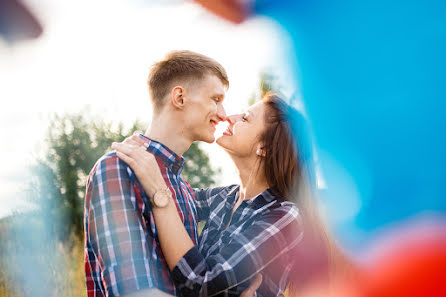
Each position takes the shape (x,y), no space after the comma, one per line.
(252,177)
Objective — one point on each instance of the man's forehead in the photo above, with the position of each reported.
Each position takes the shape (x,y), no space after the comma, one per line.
(216,89)
(212,81)
(211,85)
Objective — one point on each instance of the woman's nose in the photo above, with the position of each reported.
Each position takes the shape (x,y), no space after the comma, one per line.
(232,119)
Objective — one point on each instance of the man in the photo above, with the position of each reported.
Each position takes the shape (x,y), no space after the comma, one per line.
(122,251)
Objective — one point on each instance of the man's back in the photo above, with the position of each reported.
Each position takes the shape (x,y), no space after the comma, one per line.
(122,251)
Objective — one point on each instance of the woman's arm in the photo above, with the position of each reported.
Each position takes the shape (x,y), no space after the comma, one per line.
(203,197)
(176,241)
(173,237)
(242,257)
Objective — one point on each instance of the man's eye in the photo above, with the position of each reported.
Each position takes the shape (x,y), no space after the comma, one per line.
(217,100)
(244,119)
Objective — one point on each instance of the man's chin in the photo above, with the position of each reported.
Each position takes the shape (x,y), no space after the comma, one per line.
(208,139)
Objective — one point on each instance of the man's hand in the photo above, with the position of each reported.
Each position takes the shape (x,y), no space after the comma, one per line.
(255,284)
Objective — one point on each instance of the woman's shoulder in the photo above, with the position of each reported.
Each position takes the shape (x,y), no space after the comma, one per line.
(284,209)
(208,196)
(213,191)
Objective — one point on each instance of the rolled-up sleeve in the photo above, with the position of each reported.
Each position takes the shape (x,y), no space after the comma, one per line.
(244,255)
(116,231)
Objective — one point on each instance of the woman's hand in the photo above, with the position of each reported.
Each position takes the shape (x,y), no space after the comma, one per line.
(134,152)
(135,139)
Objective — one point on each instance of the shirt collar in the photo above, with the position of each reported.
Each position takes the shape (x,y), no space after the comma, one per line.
(171,160)
(261,199)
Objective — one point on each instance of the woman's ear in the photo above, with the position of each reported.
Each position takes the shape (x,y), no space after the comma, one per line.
(260,151)
(177,97)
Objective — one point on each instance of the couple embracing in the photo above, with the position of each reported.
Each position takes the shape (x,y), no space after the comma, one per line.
(141,217)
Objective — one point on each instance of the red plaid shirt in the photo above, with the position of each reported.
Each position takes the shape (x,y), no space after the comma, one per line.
(122,251)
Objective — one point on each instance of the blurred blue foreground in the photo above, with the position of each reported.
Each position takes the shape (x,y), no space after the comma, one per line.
(373,79)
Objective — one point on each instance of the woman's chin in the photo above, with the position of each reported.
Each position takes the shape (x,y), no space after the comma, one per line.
(222,141)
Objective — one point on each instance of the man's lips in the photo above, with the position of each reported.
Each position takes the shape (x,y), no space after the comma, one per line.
(214,123)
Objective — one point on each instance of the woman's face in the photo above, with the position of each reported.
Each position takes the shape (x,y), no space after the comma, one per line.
(242,136)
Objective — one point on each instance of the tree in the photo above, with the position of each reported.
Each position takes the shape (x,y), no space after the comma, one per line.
(74,144)
(197,170)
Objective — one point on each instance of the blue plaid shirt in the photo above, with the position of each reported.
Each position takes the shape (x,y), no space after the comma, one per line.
(122,250)
(261,237)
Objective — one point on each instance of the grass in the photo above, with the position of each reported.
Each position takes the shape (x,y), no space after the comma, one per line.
(32,264)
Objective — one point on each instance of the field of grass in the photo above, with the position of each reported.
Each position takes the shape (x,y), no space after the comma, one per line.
(32,264)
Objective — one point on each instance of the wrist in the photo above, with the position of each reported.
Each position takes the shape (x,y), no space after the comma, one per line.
(151,187)
(161,198)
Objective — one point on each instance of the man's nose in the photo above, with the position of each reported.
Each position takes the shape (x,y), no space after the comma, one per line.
(221,113)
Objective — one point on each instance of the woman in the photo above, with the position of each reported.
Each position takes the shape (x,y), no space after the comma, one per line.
(255,227)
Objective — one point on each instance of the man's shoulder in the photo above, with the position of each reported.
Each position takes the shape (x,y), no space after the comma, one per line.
(109,163)
(109,175)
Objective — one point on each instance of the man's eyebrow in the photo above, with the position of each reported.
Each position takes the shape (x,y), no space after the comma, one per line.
(219,96)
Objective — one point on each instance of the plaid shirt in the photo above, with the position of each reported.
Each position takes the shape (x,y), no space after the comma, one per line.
(122,251)
(262,236)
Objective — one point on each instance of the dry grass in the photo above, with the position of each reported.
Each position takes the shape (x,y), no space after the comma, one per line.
(30,267)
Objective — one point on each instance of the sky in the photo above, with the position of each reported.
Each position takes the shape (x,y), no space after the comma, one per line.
(96,55)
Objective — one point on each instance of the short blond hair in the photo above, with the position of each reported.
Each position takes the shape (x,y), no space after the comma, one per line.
(180,66)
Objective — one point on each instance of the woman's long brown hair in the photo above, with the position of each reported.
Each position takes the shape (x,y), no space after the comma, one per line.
(289,170)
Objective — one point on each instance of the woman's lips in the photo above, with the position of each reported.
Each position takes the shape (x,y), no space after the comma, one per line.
(227,132)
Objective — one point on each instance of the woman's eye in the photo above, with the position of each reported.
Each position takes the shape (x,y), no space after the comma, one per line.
(244,119)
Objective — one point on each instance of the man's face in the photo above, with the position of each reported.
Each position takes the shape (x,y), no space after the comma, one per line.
(204,108)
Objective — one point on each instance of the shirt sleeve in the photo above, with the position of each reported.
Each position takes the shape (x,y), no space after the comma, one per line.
(244,255)
(116,228)
(204,198)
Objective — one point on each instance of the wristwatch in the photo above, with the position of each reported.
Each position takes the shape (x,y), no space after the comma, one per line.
(161,198)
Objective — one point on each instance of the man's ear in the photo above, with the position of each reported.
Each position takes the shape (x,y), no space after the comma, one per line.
(177,97)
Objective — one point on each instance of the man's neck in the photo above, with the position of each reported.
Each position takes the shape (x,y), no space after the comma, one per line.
(172,136)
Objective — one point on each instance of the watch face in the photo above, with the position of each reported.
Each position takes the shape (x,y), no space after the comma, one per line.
(161,200)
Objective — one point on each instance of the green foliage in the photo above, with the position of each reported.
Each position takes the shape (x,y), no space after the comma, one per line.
(74,143)
(197,170)
(41,252)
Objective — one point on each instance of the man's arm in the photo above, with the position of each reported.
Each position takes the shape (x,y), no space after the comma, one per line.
(115,228)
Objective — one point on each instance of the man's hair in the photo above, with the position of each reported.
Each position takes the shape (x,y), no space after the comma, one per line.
(181,66)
